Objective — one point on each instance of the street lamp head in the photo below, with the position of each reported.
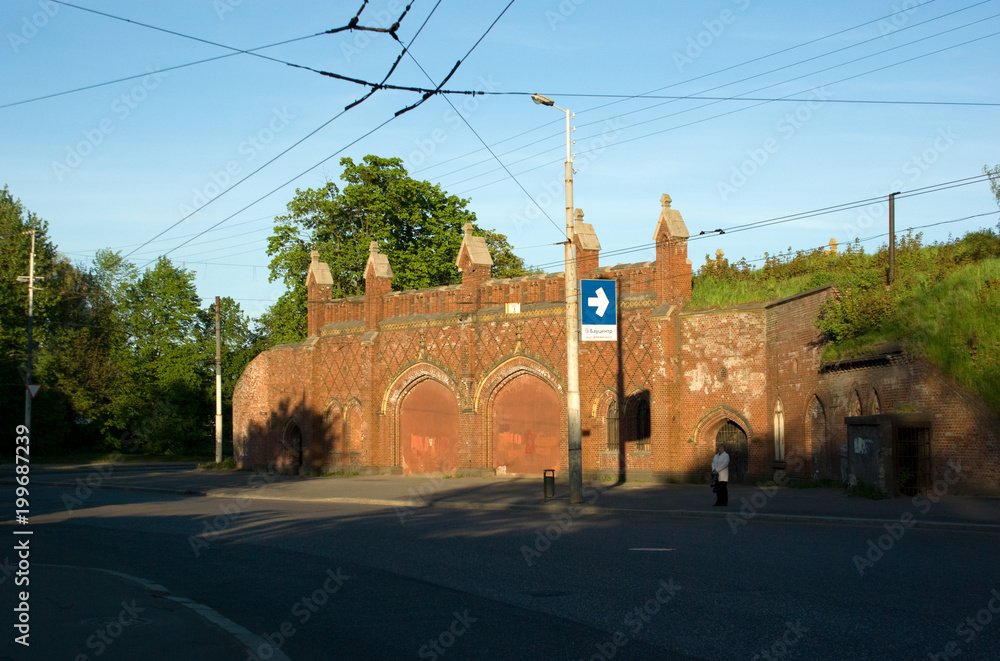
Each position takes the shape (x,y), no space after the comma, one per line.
(542,100)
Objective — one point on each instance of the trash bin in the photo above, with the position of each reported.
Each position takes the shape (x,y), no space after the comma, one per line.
(549,482)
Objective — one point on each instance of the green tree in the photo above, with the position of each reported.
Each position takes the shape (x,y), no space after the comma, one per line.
(161,400)
(416,224)
(51,415)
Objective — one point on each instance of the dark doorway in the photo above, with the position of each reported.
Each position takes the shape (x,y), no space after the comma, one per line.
(293,446)
(913,459)
(735,439)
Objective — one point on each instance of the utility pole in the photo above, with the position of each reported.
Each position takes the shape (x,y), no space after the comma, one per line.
(892,236)
(30,279)
(218,381)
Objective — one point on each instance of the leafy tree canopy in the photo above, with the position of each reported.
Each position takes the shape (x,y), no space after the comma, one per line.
(416,224)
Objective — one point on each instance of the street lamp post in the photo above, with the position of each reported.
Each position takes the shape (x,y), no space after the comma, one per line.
(572,324)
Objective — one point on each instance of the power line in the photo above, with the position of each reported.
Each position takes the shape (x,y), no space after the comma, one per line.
(689,80)
(731,112)
(272,160)
(802,215)
(397,114)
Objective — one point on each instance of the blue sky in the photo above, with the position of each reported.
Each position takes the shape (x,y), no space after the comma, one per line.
(117,165)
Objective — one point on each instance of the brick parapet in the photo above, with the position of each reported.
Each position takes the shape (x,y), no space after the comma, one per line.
(695,369)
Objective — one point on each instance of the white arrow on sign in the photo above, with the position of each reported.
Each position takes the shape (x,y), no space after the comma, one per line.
(599,302)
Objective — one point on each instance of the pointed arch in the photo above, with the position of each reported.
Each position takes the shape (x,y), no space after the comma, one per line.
(779,430)
(817,446)
(292,442)
(524,417)
(421,405)
(726,420)
(854,403)
(874,403)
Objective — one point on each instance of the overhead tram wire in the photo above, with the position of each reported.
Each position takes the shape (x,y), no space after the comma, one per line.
(731,112)
(163,70)
(688,80)
(264,165)
(480,138)
(765,101)
(377,128)
(822,55)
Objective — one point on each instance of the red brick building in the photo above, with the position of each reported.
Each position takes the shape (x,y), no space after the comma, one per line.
(454,380)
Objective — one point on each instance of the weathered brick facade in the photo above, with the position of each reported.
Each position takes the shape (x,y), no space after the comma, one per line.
(448,380)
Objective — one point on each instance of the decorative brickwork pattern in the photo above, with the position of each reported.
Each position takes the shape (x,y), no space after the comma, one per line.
(679,380)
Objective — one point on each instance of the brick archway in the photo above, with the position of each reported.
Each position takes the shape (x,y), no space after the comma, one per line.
(524,419)
(328,451)
(709,426)
(424,428)
(292,442)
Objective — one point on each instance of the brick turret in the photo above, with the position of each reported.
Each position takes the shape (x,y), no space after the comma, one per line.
(475,264)
(588,248)
(378,283)
(319,284)
(673,268)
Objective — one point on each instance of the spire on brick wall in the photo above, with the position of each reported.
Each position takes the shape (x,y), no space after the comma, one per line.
(473,253)
(588,248)
(671,224)
(378,264)
(319,272)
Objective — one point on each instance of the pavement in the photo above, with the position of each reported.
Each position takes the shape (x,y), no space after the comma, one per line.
(936,508)
(94,608)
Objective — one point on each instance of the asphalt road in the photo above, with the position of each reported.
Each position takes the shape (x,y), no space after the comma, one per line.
(342,581)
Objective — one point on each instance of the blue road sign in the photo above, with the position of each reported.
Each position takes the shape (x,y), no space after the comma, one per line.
(598,311)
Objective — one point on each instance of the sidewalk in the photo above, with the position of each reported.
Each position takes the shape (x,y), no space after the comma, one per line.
(936,509)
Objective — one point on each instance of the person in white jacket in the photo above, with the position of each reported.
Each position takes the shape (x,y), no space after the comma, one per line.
(720,470)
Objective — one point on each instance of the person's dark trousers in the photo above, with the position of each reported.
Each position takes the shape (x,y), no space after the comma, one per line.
(722,494)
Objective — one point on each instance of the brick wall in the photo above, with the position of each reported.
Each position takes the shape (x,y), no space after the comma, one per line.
(343,390)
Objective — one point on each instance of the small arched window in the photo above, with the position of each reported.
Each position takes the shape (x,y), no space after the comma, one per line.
(612,426)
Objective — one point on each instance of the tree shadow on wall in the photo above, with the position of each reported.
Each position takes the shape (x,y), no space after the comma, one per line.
(289,438)
(633,415)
